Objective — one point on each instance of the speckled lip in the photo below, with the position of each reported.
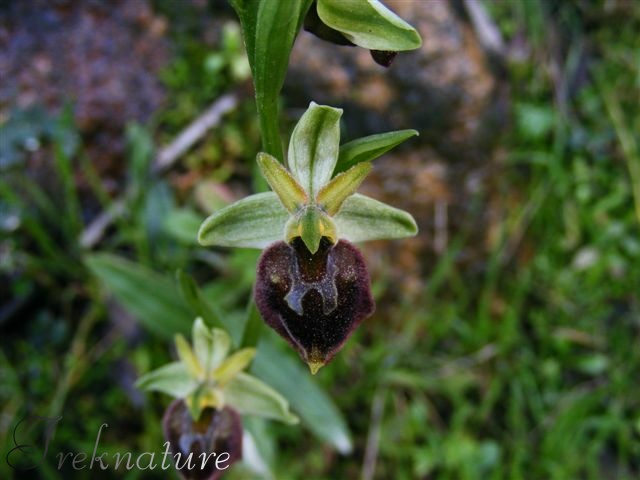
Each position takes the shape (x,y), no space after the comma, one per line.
(314,301)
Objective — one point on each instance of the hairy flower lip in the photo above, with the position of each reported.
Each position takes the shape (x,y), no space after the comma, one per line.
(314,301)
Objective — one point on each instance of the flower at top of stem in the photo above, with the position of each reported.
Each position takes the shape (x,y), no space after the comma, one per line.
(316,196)
(312,285)
(207,376)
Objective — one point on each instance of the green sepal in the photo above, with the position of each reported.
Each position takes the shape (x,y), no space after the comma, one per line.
(248,395)
(253,222)
(314,147)
(369,148)
(369,24)
(362,218)
(289,191)
(334,193)
(172,379)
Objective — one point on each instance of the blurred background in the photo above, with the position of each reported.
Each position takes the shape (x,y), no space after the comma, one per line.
(506,343)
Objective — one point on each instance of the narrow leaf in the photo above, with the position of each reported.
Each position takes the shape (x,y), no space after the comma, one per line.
(342,186)
(314,147)
(362,218)
(369,148)
(248,395)
(255,222)
(151,298)
(197,301)
(253,325)
(316,409)
(234,365)
(369,24)
(290,193)
(172,379)
(182,224)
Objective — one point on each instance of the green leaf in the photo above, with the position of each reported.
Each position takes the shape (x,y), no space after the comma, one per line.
(182,224)
(315,408)
(150,297)
(197,301)
(250,396)
(314,147)
(290,193)
(369,24)
(362,218)
(253,325)
(255,222)
(342,186)
(234,365)
(369,148)
(172,379)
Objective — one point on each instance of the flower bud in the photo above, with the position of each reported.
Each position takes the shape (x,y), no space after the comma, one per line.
(313,300)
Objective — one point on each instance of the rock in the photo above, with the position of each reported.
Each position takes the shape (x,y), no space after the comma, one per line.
(102,57)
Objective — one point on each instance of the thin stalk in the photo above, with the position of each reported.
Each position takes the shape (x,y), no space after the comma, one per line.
(269,126)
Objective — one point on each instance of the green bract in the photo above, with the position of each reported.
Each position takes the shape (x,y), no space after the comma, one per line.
(207,376)
(316,198)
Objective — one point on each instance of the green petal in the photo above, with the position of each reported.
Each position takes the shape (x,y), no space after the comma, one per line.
(369,24)
(173,379)
(362,218)
(341,187)
(248,395)
(188,358)
(369,148)
(234,365)
(314,147)
(290,193)
(254,222)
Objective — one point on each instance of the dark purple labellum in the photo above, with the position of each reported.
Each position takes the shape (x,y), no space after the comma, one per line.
(216,431)
(314,301)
